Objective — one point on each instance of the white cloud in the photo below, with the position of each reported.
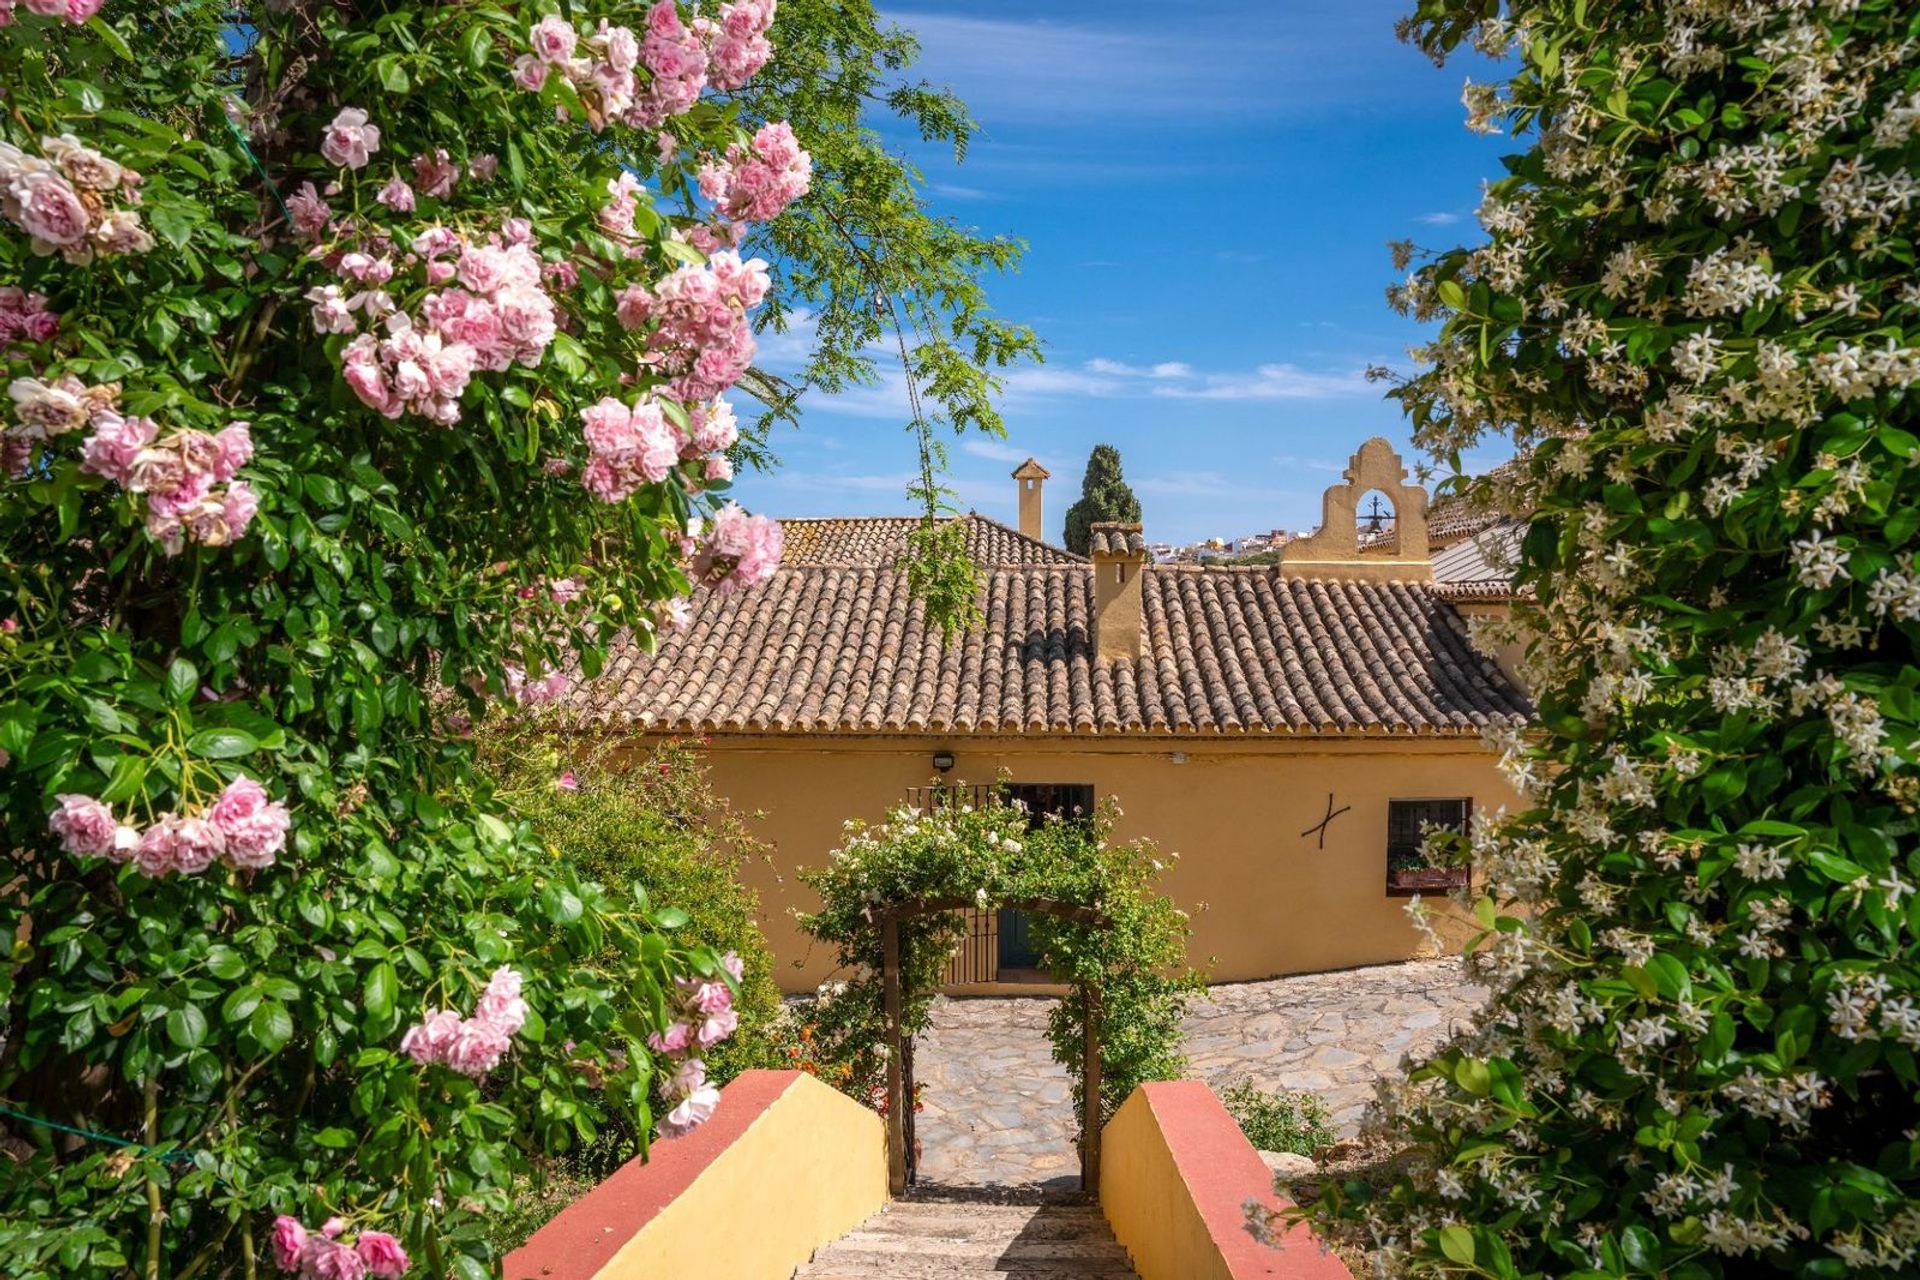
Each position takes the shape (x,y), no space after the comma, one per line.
(1121,369)
(1260,59)
(997,451)
(1438,219)
(1273,382)
(954,191)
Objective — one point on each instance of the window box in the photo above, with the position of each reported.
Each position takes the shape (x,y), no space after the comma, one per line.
(1408,822)
(1411,880)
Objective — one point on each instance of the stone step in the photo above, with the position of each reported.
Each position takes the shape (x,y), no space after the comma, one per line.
(1045,1226)
(1088,1254)
(1013,1215)
(916,1269)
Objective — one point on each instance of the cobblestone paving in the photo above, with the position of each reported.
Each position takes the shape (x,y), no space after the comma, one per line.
(997,1106)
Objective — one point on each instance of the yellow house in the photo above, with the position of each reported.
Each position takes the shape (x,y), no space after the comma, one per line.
(1285,730)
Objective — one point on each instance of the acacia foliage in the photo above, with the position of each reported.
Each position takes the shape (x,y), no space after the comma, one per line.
(1695,310)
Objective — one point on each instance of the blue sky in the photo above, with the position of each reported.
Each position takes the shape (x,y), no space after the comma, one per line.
(1207,190)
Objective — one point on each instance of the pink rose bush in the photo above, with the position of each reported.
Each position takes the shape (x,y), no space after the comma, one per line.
(472,1046)
(70,200)
(24,318)
(73,11)
(481,304)
(680,60)
(186,477)
(705,1017)
(756,182)
(244,828)
(698,337)
(738,551)
(322,1255)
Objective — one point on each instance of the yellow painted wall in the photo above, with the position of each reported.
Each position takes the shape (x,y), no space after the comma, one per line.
(1264,900)
(765,1204)
(1147,1202)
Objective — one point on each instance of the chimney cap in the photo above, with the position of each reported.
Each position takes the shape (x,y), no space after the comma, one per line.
(1031,470)
(1116,538)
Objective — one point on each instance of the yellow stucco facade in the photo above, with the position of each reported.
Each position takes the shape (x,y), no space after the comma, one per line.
(1264,898)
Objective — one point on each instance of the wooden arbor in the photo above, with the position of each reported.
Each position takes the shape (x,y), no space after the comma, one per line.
(898,1156)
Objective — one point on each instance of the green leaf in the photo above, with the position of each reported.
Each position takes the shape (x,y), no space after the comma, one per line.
(393,77)
(335,1138)
(382,985)
(183,681)
(187,1026)
(224,963)
(1457,1243)
(109,37)
(271,1025)
(222,744)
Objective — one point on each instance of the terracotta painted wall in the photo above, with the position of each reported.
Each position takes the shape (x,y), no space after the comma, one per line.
(1264,900)
(1175,1177)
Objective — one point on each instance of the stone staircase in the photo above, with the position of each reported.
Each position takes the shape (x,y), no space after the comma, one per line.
(1010,1236)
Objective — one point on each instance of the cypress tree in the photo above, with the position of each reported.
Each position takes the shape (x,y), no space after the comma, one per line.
(1104,495)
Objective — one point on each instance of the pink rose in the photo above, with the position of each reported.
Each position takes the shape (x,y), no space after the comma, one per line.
(329,1260)
(154,853)
(396,195)
(382,1253)
(567,782)
(196,844)
(673,1040)
(430,1040)
(477,1047)
(238,511)
(711,997)
(234,449)
(501,1005)
(85,825)
(529,72)
(734,965)
(483,166)
(310,213)
(49,209)
(289,1242)
(691,1112)
(717,1028)
(435,174)
(553,39)
(350,140)
(254,827)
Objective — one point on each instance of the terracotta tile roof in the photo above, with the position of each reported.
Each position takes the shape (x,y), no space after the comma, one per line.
(1470,568)
(1227,651)
(1116,539)
(881,541)
(1461,515)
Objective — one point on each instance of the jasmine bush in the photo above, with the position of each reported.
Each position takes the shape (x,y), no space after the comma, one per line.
(1695,310)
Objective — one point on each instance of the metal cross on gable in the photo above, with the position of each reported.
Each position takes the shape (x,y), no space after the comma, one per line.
(1321,826)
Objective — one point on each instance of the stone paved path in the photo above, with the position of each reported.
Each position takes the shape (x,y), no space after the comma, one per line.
(997,1106)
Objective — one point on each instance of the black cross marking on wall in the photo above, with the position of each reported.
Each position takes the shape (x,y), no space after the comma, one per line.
(1332,813)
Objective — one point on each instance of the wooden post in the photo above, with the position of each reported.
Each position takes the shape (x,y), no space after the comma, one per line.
(1090,1090)
(896,1099)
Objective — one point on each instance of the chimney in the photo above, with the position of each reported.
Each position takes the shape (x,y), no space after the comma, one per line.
(1119,553)
(1030,474)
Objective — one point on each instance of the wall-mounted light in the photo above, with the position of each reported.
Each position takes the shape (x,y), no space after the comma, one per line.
(1178,757)
(943,760)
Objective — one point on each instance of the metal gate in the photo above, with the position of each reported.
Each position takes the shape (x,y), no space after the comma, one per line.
(996,940)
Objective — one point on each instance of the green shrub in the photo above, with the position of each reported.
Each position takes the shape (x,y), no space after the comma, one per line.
(625,818)
(1279,1121)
